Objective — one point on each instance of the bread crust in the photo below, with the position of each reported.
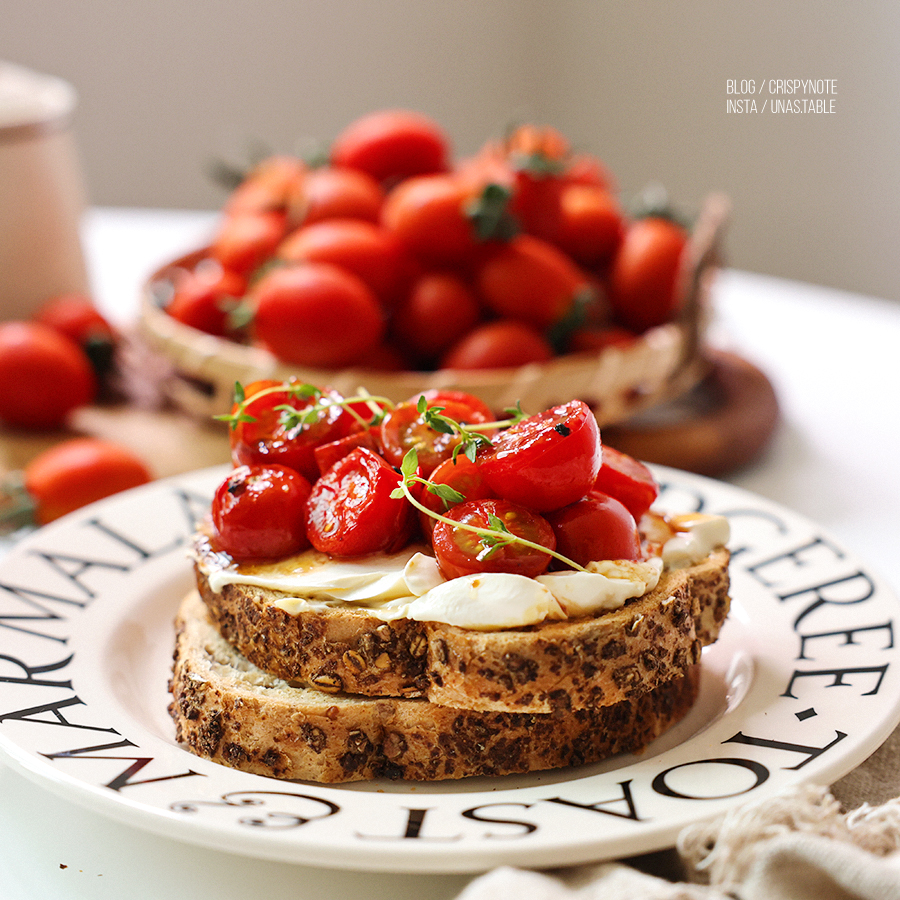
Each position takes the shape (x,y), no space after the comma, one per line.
(229,711)
(558,665)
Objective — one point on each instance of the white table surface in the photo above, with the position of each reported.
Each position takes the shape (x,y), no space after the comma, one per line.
(834,360)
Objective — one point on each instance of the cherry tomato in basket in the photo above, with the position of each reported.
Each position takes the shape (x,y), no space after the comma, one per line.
(499,344)
(463,552)
(405,428)
(439,309)
(272,185)
(44,376)
(316,314)
(545,461)
(363,248)
(530,280)
(244,241)
(351,511)
(331,192)
(392,144)
(460,474)
(591,224)
(628,480)
(263,435)
(79,471)
(205,298)
(594,528)
(644,289)
(259,512)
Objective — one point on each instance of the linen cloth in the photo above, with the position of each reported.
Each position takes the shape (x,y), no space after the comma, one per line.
(810,843)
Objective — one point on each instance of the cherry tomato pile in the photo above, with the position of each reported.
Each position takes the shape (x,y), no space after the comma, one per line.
(357,476)
(394,255)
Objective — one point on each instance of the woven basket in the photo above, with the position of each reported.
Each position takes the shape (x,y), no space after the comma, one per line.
(616,382)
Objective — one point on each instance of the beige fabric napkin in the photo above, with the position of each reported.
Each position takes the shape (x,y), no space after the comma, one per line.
(811,843)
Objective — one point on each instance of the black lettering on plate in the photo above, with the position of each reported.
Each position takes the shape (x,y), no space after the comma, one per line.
(29,673)
(53,714)
(415,822)
(849,634)
(811,753)
(599,805)
(473,814)
(31,598)
(838,678)
(758,769)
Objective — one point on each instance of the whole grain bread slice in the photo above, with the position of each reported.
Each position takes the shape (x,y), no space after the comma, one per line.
(231,712)
(572,664)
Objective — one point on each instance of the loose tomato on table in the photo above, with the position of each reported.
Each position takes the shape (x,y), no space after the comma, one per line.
(628,480)
(77,317)
(545,461)
(259,512)
(391,145)
(643,280)
(262,432)
(316,314)
(44,376)
(460,551)
(594,528)
(499,344)
(351,512)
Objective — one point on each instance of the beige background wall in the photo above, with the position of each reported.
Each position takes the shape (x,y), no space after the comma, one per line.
(167,86)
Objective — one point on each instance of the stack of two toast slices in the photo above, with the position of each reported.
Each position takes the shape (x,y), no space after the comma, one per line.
(337,694)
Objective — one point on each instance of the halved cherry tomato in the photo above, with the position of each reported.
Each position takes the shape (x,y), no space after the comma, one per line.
(502,343)
(44,376)
(261,436)
(463,552)
(316,314)
(530,280)
(392,144)
(332,192)
(351,512)
(363,248)
(644,288)
(439,309)
(628,480)
(546,461)
(405,428)
(597,527)
(244,241)
(463,476)
(326,455)
(205,297)
(259,512)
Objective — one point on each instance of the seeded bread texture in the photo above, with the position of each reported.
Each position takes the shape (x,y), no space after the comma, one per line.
(572,664)
(229,711)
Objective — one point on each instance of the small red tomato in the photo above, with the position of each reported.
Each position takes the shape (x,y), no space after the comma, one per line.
(504,343)
(460,474)
(546,461)
(272,185)
(264,434)
(439,309)
(597,527)
(338,193)
(77,317)
(246,240)
(326,455)
(628,480)
(351,511)
(316,314)
(591,224)
(362,248)
(205,297)
(391,145)
(77,472)
(592,340)
(643,280)
(460,551)
(259,512)
(530,280)
(44,376)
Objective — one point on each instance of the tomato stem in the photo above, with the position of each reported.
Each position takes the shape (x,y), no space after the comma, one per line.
(17,506)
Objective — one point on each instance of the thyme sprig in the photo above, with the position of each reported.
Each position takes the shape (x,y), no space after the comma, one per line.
(472,436)
(492,538)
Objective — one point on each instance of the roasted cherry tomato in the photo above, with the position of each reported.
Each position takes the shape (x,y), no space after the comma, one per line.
(546,461)
(460,551)
(644,288)
(367,250)
(503,343)
(326,455)
(391,145)
(531,280)
(330,192)
(405,428)
(628,480)
(597,527)
(261,435)
(244,241)
(316,314)
(259,512)
(460,474)
(205,297)
(351,511)
(44,376)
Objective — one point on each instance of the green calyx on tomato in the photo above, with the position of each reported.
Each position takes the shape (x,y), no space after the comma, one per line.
(490,214)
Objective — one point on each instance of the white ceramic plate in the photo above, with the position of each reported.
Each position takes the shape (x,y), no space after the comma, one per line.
(803,685)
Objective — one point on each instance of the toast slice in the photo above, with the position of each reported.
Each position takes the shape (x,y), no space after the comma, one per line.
(578,663)
(231,712)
